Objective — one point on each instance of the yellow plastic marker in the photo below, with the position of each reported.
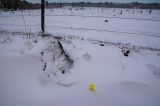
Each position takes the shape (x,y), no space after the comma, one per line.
(92,87)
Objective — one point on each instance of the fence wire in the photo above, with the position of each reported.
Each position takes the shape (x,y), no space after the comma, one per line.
(89,29)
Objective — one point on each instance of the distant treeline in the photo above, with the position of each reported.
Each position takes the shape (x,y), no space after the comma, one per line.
(15,4)
(23,4)
(107,5)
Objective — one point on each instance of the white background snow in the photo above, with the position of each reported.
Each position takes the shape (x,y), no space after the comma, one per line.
(119,80)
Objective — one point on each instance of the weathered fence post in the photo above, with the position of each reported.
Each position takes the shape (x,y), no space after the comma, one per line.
(43,16)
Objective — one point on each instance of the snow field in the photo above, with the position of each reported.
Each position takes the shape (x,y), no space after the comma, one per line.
(98,57)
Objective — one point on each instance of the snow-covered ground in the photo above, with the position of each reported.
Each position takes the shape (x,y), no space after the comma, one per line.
(131,27)
(35,72)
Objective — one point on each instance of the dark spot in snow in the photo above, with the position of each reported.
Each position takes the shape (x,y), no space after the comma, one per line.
(126,53)
(106,20)
(82,38)
(63,71)
(44,67)
(42,53)
(101,44)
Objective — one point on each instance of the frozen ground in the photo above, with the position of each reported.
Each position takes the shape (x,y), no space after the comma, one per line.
(32,68)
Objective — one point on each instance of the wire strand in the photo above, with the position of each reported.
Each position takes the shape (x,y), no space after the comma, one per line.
(88,29)
(145,19)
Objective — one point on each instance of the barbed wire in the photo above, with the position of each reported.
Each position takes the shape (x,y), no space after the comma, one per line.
(145,19)
(89,29)
(18,25)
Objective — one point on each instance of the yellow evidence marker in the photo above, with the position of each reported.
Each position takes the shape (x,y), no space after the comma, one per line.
(92,87)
